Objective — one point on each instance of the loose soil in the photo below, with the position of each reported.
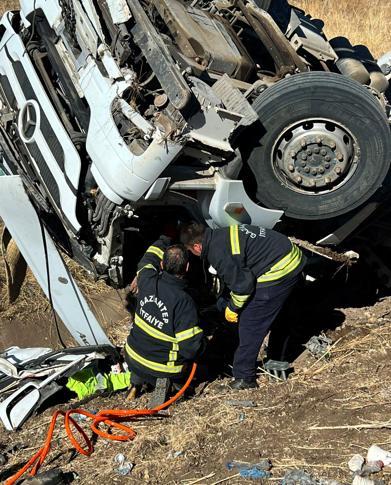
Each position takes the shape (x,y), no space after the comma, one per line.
(349,387)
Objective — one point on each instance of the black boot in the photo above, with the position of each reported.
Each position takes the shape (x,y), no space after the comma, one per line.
(241,384)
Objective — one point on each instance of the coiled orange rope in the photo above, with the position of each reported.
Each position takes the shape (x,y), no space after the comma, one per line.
(110,417)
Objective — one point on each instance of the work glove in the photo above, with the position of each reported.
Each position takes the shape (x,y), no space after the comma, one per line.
(231,316)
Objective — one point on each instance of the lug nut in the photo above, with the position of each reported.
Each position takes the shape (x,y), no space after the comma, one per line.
(327,158)
(307,170)
(333,145)
(338,170)
(321,170)
(291,168)
(327,180)
(309,152)
(312,183)
(323,152)
(303,164)
(317,150)
(318,140)
(292,153)
(339,156)
(303,143)
(314,171)
(326,165)
(299,180)
(304,156)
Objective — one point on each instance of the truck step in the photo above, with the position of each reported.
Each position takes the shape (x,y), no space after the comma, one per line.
(234,100)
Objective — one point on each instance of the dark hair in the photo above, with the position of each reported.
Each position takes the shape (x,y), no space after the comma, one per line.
(192,233)
(175,260)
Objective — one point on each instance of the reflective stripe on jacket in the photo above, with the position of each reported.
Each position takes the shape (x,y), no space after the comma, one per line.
(247,256)
(165,332)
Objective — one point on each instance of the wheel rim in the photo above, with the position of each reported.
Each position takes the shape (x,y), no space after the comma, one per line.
(315,156)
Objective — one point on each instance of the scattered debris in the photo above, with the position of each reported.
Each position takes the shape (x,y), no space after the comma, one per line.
(55,476)
(29,377)
(241,417)
(79,417)
(277,369)
(375,453)
(377,459)
(356,463)
(298,477)
(371,467)
(175,454)
(301,477)
(125,467)
(238,403)
(257,471)
(318,345)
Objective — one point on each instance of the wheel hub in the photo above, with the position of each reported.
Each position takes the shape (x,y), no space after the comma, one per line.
(315,156)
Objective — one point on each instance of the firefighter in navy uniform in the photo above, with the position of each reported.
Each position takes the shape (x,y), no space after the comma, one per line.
(165,336)
(260,267)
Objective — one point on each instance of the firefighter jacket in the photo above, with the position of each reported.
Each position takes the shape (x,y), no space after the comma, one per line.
(249,256)
(165,333)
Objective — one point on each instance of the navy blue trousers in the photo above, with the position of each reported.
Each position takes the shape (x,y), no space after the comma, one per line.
(255,322)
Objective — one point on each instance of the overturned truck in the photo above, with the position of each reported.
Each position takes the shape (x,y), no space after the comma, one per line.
(122,116)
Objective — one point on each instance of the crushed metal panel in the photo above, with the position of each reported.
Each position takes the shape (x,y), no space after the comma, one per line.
(230,204)
(22,221)
(119,11)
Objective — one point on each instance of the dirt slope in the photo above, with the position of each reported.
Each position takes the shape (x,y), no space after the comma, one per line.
(350,389)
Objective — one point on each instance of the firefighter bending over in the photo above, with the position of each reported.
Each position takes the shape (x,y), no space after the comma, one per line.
(165,337)
(260,267)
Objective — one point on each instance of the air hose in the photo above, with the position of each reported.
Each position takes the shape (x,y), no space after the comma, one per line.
(113,418)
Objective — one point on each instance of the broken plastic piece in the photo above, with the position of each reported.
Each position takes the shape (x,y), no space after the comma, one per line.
(375,453)
(253,472)
(277,368)
(356,463)
(125,467)
(372,467)
(175,454)
(318,345)
(298,477)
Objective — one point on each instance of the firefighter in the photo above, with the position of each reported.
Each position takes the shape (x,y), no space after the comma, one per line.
(165,336)
(260,267)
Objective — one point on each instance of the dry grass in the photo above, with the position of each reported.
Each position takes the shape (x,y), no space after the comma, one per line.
(361,21)
(8,5)
(32,296)
(317,420)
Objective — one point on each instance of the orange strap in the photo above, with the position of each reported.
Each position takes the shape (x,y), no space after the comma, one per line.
(110,417)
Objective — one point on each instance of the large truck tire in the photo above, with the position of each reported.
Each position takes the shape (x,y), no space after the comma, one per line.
(324,146)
